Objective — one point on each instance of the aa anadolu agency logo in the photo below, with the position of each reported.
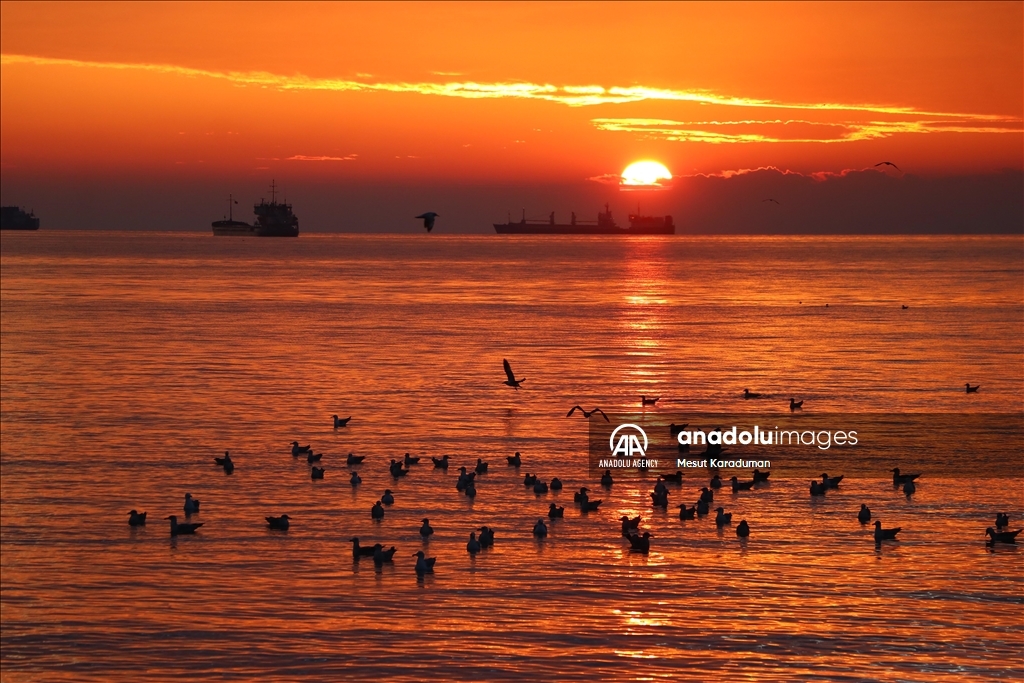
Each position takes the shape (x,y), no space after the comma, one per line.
(628,444)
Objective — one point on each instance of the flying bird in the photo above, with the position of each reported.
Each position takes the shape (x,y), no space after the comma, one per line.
(586,414)
(769,200)
(511,381)
(428,219)
(888,163)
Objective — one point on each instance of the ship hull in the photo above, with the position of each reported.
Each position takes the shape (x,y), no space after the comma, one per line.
(557,229)
(239,229)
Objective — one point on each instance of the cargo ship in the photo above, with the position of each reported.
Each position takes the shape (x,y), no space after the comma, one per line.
(273,219)
(604,225)
(13,218)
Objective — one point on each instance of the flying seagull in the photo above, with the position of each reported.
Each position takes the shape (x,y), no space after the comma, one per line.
(511,381)
(428,219)
(888,163)
(586,414)
(770,200)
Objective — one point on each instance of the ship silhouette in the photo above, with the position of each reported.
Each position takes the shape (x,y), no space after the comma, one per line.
(14,218)
(604,225)
(273,219)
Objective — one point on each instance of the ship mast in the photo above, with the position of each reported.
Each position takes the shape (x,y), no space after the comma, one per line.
(273,191)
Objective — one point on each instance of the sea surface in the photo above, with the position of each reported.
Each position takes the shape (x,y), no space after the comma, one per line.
(130,360)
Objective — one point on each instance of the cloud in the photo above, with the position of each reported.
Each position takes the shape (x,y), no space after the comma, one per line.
(303,157)
(582,96)
(717,132)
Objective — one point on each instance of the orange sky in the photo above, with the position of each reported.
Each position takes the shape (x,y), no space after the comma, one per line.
(506,92)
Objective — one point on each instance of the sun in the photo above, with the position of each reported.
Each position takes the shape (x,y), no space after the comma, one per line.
(645,173)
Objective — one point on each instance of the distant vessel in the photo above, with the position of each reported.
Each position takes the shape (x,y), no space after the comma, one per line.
(13,218)
(604,225)
(273,219)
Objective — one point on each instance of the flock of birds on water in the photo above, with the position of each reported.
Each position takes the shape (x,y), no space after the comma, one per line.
(639,541)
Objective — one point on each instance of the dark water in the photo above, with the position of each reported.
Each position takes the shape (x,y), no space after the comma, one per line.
(130,360)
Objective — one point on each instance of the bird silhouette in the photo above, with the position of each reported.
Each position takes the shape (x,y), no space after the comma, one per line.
(317,473)
(540,529)
(355,479)
(898,478)
(380,556)
(888,163)
(743,530)
(587,414)
(136,518)
(358,550)
(191,504)
(428,219)
(747,393)
(511,381)
(644,401)
(686,512)
(885,534)
(426,530)
(770,200)
(440,463)
(864,516)
(514,460)
(338,422)
(298,450)
(795,405)
(279,523)
(1002,536)
(177,529)
(831,482)
(354,459)
(424,565)
(641,544)
(555,512)
(311,458)
(970,389)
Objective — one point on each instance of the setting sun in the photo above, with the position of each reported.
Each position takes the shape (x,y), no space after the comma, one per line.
(646,173)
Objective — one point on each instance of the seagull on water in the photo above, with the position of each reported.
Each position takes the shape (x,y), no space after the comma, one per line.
(514,460)
(885,534)
(1002,536)
(723,517)
(1002,519)
(355,479)
(641,544)
(317,473)
(424,565)
(555,512)
(191,504)
(279,523)
(511,381)
(311,458)
(795,405)
(226,463)
(428,219)
(910,488)
(587,414)
(354,459)
(298,450)
(898,478)
(426,530)
(970,389)
(606,479)
(388,498)
(136,518)
(377,511)
(473,546)
(177,529)
(486,536)
(831,482)
(747,393)
(540,529)
(358,550)
(628,525)
(481,466)
(440,463)
(743,529)
(540,487)
(738,485)
(644,401)
(817,488)
(411,459)
(380,556)
(686,512)
(339,422)
(760,477)
(864,516)
(556,484)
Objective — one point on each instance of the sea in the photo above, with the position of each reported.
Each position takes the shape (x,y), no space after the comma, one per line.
(129,360)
